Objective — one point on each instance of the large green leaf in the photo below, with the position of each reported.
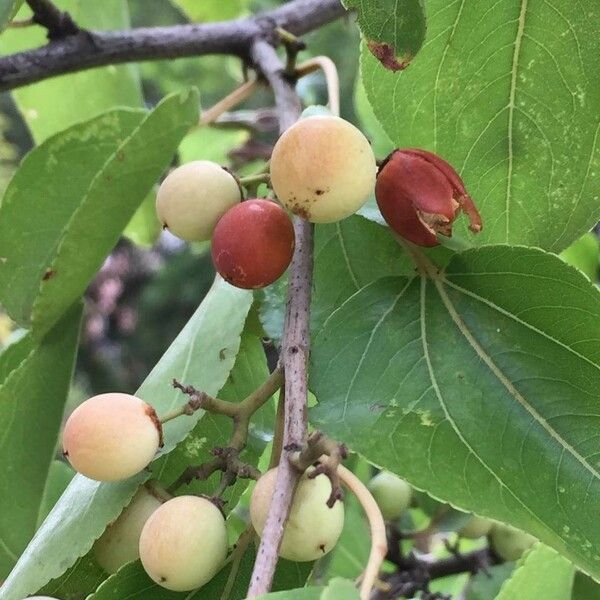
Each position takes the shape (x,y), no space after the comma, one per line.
(32,400)
(87,506)
(131,582)
(53,236)
(51,106)
(541,573)
(486,375)
(508,92)
(393,31)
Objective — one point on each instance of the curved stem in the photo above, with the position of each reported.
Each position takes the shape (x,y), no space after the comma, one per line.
(325,64)
(377,525)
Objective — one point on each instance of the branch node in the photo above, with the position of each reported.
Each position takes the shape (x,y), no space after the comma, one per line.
(59,24)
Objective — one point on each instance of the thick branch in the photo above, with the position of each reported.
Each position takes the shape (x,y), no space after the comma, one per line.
(296,341)
(87,49)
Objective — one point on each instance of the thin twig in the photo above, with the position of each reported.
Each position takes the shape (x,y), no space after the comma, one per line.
(241,93)
(295,345)
(58,23)
(90,49)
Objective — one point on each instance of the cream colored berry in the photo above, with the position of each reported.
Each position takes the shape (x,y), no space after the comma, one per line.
(120,543)
(184,543)
(323,169)
(475,528)
(392,494)
(509,542)
(111,436)
(193,197)
(312,528)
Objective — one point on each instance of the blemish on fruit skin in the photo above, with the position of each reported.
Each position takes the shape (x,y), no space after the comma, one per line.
(322,548)
(385,54)
(222,353)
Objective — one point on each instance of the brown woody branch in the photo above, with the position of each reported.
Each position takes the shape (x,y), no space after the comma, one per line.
(296,340)
(84,49)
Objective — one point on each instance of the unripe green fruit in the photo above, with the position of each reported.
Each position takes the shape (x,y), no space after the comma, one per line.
(120,543)
(312,528)
(111,436)
(193,197)
(509,542)
(184,543)
(475,528)
(392,494)
(323,169)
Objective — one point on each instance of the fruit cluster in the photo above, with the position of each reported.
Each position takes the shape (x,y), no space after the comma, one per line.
(323,170)
(181,541)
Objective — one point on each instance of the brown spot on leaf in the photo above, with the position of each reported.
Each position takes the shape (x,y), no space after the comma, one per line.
(48,274)
(120,155)
(385,54)
(222,353)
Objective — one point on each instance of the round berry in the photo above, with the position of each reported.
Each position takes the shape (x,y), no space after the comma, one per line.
(253,244)
(312,528)
(184,543)
(119,544)
(392,494)
(193,197)
(475,527)
(323,169)
(111,436)
(509,542)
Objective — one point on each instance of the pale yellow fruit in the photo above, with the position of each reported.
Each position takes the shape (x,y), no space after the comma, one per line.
(312,528)
(475,528)
(111,436)
(120,543)
(392,494)
(509,542)
(184,543)
(323,169)
(193,197)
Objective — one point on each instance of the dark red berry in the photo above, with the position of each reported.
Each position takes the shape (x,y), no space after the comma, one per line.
(420,195)
(253,244)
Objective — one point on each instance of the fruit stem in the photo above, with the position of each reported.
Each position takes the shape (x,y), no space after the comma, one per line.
(332,80)
(254,179)
(377,525)
(241,93)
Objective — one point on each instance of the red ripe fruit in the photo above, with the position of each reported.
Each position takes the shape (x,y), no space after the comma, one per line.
(420,195)
(253,244)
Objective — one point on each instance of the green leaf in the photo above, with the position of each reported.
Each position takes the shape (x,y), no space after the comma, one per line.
(487,375)
(212,10)
(59,477)
(32,400)
(14,354)
(585,588)
(132,582)
(393,31)
(85,574)
(340,589)
(55,104)
(70,229)
(352,252)
(541,573)
(211,143)
(144,227)
(584,254)
(87,506)
(513,104)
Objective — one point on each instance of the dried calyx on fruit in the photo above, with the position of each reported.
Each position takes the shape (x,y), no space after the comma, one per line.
(420,195)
